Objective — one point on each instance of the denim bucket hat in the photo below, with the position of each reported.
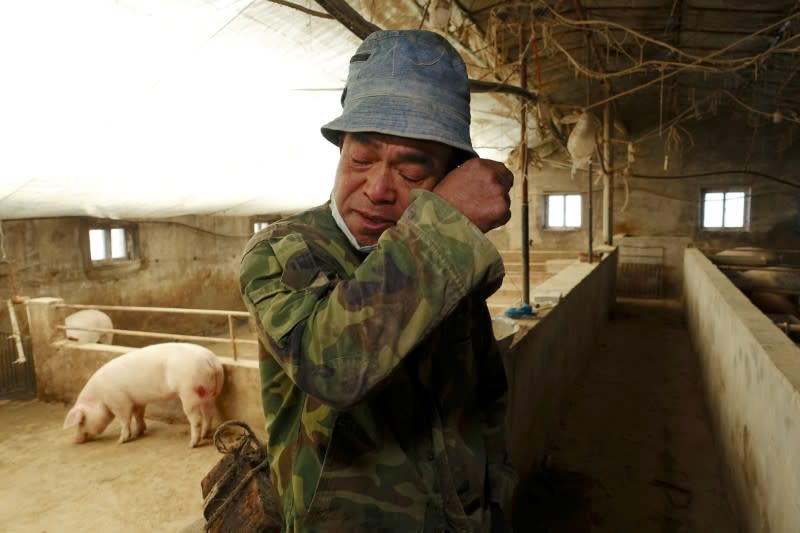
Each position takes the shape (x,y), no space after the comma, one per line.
(408,83)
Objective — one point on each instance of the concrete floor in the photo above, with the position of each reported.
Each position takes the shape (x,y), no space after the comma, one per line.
(50,484)
(635,452)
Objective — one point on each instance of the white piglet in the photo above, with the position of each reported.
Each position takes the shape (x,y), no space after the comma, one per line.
(123,386)
(89,318)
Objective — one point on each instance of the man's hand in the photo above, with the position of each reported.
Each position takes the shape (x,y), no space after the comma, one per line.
(479,189)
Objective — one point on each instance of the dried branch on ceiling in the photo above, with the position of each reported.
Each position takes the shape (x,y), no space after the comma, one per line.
(304,9)
(710,63)
(349,17)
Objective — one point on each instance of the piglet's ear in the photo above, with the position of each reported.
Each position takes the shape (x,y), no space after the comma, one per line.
(74,417)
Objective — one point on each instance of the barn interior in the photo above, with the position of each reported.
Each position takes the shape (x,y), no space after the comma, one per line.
(652,259)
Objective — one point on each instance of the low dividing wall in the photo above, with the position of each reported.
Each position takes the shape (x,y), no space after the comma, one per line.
(550,353)
(543,363)
(62,368)
(751,374)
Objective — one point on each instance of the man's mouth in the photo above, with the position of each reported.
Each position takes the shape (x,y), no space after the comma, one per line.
(372,223)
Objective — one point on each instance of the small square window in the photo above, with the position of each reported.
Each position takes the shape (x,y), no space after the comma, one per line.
(725,209)
(563,211)
(258,226)
(109,244)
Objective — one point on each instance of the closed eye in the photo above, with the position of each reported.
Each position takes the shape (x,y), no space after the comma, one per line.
(413,179)
(414,173)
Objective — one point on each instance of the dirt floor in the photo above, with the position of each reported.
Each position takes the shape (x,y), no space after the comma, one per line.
(50,484)
(635,452)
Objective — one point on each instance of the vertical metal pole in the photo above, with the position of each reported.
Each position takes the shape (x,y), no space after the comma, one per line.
(232,333)
(589,194)
(523,145)
(17,335)
(608,177)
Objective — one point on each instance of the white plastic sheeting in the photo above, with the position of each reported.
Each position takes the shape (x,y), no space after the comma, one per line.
(165,107)
(158,108)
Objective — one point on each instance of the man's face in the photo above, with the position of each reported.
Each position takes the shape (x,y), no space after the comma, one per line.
(375,175)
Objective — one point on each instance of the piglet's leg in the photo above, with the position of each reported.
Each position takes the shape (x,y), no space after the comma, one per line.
(123,414)
(192,402)
(195,419)
(138,415)
(209,413)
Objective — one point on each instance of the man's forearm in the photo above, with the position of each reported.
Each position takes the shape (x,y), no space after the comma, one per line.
(337,339)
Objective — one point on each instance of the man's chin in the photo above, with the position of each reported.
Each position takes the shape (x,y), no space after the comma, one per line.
(369,236)
(366,241)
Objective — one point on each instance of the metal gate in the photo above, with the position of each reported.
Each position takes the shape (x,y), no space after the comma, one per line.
(16,380)
(640,271)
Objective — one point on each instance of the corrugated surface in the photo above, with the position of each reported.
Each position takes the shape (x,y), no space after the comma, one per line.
(16,380)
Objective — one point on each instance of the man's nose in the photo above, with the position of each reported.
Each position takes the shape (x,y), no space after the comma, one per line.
(380,187)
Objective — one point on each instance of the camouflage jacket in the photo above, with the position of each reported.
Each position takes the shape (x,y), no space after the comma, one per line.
(384,395)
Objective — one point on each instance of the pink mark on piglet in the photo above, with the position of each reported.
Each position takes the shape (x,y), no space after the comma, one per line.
(201,391)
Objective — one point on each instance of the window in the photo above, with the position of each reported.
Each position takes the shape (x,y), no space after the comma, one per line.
(725,209)
(258,226)
(262,221)
(110,244)
(562,211)
(110,248)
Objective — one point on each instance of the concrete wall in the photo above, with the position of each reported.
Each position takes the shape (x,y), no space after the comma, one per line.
(751,374)
(62,369)
(184,262)
(547,358)
(543,364)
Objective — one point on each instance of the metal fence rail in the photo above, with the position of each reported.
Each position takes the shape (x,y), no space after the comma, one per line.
(231,339)
(640,272)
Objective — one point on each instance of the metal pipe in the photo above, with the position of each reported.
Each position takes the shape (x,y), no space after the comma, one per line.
(523,146)
(150,334)
(181,310)
(723,266)
(526,270)
(17,336)
(787,328)
(232,334)
(589,194)
(608,177)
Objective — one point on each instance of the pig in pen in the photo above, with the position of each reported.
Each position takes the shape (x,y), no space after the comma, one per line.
(123,387)
(89,318)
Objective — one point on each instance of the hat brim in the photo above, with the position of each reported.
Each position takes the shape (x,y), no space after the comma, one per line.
(402,116)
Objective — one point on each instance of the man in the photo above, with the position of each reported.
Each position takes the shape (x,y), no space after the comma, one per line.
(383,391)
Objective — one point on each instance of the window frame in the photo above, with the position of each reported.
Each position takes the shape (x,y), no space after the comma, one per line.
(546,211)
(132,260)
(109,244)
(725,190)
(265,224)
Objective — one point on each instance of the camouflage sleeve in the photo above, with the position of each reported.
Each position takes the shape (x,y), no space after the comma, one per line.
(337,339)
(493,397)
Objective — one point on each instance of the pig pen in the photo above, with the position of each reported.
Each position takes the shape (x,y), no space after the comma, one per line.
(126,499)
(51,484)
(149,484)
